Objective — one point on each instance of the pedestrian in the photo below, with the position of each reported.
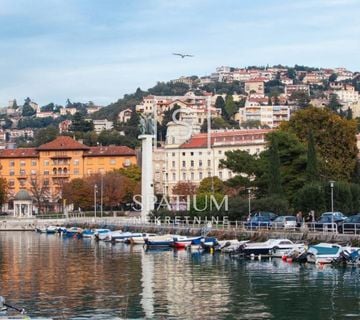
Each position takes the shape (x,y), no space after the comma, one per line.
(299,219)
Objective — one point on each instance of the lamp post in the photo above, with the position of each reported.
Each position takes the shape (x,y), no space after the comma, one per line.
(249,194)
(332,204)
(101,195)
(95,192)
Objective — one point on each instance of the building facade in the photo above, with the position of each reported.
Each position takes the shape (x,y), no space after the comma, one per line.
(52,164)
(199,156)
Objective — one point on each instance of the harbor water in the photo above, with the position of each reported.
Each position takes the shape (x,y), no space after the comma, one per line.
(82,279)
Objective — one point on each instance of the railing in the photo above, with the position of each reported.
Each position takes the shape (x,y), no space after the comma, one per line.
(350,228)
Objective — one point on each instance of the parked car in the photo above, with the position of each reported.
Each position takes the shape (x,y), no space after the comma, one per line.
(270,215)
(2,213)
(325,223)
(350,224)
(258,222)
(284,222)
(337,215)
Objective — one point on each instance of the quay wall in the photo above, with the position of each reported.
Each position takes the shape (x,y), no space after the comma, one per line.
(222,233)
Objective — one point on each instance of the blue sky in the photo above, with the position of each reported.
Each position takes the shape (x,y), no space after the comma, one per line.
(95,50)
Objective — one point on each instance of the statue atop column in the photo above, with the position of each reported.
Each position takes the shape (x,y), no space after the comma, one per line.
(147,124)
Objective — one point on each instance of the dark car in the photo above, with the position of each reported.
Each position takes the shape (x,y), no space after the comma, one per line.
(258,222)
(267,214)
(325,223)
(3,213)
(350,224)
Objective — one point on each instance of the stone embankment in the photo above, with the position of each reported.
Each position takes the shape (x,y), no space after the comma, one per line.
(219,232)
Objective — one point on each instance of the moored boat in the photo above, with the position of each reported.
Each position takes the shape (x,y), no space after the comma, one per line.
(324,253)
(161,241)
(271,247)
(90,233)
(141,240)
(183,242)
(73,232)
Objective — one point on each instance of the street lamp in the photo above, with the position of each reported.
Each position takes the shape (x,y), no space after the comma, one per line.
(249,193)
(95,192)
(101,195)
(332,203)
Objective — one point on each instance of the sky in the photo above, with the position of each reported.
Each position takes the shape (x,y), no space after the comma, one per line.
(91,50)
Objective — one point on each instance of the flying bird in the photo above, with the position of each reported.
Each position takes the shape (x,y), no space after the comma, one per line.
(182,55)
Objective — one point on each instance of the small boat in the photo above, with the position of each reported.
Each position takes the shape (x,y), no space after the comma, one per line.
(349,256)
(90,233)
(182,243)
(324,253)
(231,246)
(51,229)
(140,240)
(73,232)
(104,235)
(123,236)
(209,244)
(271,247)
(161,241)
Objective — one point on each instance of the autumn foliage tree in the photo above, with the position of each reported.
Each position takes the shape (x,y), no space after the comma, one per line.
(184,189)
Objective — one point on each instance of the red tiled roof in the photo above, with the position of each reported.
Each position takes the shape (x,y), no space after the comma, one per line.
(240,136)
(63,143)
(19,153)
(110,151)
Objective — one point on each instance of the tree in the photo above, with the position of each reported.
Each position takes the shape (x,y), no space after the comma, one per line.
(45,135)
(274,178)
(312,165)
(3,191)
(334,103)
(39,188)
(333,77)
(133,172)
(334,137)
(230,107)
(184,189)
(27,110)
(301,98)
(79,124)
(79,193)
(211,185)
(310,197)
(220,104)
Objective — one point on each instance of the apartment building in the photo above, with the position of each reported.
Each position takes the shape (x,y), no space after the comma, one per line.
(61,160)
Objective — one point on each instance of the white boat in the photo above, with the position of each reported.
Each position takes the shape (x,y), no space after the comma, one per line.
(104,236)
(271,247)
(230,246)
(141,240)
(90,233)
(123,236)
(324,253)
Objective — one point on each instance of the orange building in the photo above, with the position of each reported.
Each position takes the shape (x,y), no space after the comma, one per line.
(54,163)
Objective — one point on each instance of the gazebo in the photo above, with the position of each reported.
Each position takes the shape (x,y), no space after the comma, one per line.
(23,204)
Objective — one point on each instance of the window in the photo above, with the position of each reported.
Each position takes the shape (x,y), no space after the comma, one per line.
(173,154)
(22,183)
(192,163)
(12,163)
(46,182)
(200,163)
(220,174)
(46,162)
(200,153)
(184,164)
(209,174)
(12,172)
(33,172)
(184,176)
(191,153)
(46,172)
(183,153)
(173,164)
(209,163)
(33,163)
(22,163)
(11,183)
(219,152)
(22,172)
(174,176)
(76,171)
(200,175)
(192,175)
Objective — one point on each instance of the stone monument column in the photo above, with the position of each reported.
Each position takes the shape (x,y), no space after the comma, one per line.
(147,184)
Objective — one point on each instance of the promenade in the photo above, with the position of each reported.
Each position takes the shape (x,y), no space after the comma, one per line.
(235,230)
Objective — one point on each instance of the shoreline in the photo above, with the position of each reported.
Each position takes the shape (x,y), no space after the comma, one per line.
(221,233)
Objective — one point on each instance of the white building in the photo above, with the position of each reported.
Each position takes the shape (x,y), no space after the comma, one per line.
(103,124)
(348,95)
(267,115)
(199,157)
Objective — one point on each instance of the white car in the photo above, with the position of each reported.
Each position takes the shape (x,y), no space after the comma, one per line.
(284,222)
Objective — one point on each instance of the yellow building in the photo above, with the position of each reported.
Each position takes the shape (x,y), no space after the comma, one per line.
(52,164)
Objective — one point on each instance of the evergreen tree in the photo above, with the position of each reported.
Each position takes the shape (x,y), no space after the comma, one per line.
(274,182)
(312,173)
(349,114)
(334,103)
(220,104)
(230,106)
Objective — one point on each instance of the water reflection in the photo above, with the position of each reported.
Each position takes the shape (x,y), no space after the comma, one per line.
(79,279)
